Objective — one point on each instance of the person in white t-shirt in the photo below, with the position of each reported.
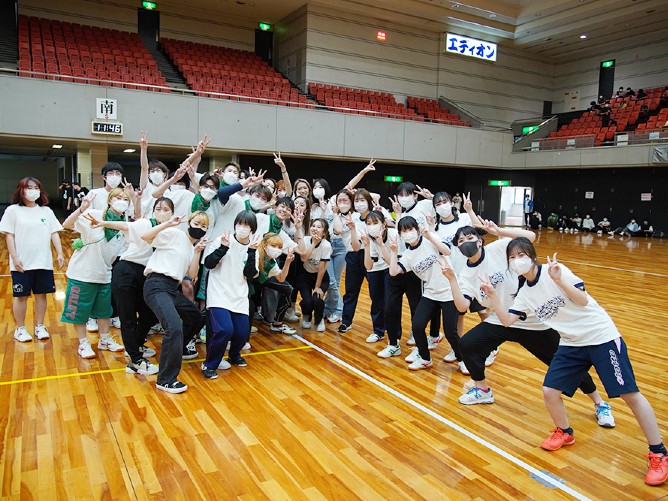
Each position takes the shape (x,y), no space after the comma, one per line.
(558,298)
(88,292)
(152,174)
(231,264)
(421,256)
(30,228)
(174,258)
(312,279)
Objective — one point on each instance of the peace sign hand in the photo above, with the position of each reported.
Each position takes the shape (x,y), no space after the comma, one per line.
(225,239)
(201,245)
(94,223)
(553,268)
(396,207)
(278,160)
(392,241)
(468,205)
(86,202)
(255,241)
(424,192)
(370,167)
(364,237)
(446,270)
(143,140)
(486,286)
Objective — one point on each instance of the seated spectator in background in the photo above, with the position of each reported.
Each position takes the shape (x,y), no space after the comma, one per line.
(576,222)
(563,224)
(603,225)
(595,107)
(552,221)
(621,92)
(536,220)
(606,117)
(588,224)
(602,100)
(646,228)
(630,92)
(643,115)
(641,95)
(632,229)
(663,100)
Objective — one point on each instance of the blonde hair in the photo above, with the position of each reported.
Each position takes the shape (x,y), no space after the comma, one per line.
(201,217)
(272,239)
(116,192)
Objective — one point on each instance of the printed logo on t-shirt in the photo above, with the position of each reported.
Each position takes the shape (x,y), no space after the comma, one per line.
(494,279)
(425,265)
(43,220)
(550,309)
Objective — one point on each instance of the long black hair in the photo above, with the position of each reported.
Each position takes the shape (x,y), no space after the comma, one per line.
(523,245)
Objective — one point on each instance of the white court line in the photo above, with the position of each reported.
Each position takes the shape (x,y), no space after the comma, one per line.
(447,422)
(616,269)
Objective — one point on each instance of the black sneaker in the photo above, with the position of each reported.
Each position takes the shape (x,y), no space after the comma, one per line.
(189,353)
(209,374)
(345,328)
(175,387)
(238,361)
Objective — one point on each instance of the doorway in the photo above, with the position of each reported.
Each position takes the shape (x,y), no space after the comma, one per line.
(512,205)
(264,45)
(148,27)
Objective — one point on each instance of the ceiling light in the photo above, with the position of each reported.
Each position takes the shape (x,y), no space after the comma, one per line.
(129,150)
(57,146)
(583,36)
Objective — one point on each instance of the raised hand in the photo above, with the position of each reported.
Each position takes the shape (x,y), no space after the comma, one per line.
(201,146)
(278,160)
(201,245)
(255,241)
(176,220)
(468,205)
(348,221)
(430,220)
(143,140)
(290,256)
(392,242)
(94,223)
(85,203)
(396,207)
(129,190)
(424,192)
(181,171)
(371,166)
(486,286)
(446,270)
(225,239)
(489,226)
(553,268)
(364,237)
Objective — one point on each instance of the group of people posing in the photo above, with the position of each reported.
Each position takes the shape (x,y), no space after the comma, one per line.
(205,253)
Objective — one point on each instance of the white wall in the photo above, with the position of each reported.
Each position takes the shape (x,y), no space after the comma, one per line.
(13,170)
(642,63)
(290,47)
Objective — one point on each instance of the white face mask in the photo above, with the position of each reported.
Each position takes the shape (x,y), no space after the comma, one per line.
(521,265)
(114,181)
(318,193)
(273,252)
(362,206)
(207,194)
(230,178)
(345,208)
(281,194)
(157,178)
(409,237)
(256,203)
(373,229)
(406,202)
(161,217)
(242,231)
(31,194)
(177,187)
(120,206)
(444,210)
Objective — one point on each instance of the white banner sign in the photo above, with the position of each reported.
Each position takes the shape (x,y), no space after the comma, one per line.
(466,46)
(106,109)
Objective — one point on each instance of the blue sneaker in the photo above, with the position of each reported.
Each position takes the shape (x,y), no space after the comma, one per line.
(604,415)
(477,396)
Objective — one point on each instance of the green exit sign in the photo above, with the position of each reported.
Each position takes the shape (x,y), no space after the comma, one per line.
(150,5)
(608,64)
(529,129)
(264,26)
(394,179)
(498,182)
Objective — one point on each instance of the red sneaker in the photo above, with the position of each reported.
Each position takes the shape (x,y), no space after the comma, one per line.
(557,439)
(657,469)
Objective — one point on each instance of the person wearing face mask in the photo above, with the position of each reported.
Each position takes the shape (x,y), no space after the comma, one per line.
(302,207)
(632,229)
(176,256)
(113,175)
(424,250)
(127,287)
(231,260)
(88,292)
(208,189)
(276,292)
(588,224)
(320,206)
(447,224)
(152,174)
(176,188)
(488,263)
(588,337)
(340,240)
(376,239)
(30,228)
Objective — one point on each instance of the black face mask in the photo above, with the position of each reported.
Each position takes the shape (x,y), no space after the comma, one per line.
(469,249)
(196,233)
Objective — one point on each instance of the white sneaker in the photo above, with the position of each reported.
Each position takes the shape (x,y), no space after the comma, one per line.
(291,317)
(253,329)
(21,335)
(41,332)
(419,363)
(145,351)
(247,346)
(450,357)
(145,368)
(285,329)
(604,415)
(321,326)
(374,338)
(108,343)
(477,396)
(156,329)
(332,319)
(462,368)
(115,322)
(390,351)
(85,350)
(491,357)
(306,322)
(435,341)
(91,325)
(223,365)
(411,356)
(411,340)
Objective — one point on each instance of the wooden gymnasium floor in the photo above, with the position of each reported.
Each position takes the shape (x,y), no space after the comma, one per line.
(319,416)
